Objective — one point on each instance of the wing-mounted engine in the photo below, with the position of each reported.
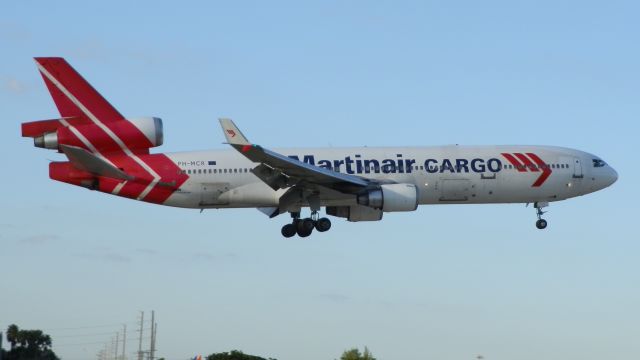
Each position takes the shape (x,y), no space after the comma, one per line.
(391,198)
(373,203)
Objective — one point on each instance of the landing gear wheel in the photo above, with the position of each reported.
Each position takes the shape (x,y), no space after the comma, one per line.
(541,224)
(288,230)
(304,227)
(323,224)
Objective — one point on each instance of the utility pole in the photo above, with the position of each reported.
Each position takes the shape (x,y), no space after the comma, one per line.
(153,341)
(115,354)
(114,344)
(153,335)
(0,345)
(124,339)
(140,342)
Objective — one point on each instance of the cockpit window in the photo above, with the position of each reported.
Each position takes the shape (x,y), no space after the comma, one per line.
(598,163)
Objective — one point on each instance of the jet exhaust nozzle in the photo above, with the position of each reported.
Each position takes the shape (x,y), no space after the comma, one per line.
(46,141)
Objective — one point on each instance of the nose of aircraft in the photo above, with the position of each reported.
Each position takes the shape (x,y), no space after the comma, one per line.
(612,176)
(608,178)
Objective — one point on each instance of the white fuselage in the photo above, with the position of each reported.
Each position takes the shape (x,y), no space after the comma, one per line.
(442,174)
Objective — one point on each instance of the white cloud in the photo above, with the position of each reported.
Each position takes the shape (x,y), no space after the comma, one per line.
(14,86)
(105,255)
(38,239)
(337,298)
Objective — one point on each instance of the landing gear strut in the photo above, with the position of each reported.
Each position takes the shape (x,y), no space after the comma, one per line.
(304,227)
(541,223)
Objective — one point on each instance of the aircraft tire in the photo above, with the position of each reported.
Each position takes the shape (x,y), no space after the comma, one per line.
(288,230)
(305,233)
(541,224)
(323,224)
(304,227)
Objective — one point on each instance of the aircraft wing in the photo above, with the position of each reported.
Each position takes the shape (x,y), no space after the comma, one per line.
(277,168)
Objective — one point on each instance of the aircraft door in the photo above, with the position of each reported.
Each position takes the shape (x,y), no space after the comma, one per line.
(577,168)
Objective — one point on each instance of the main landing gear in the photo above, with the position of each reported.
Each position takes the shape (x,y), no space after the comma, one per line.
(304,227)
(541,223)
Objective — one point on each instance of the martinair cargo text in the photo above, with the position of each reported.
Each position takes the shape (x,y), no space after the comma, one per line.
(110,153)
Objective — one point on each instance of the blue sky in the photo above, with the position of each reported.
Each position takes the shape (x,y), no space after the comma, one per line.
(444,282)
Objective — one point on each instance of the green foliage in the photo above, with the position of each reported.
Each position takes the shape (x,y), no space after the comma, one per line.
(234,355)
(354,354)
(28,345)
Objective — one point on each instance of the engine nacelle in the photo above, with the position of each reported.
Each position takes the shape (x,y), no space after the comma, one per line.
(355,213)
(391,198)
(151,127)
(50,134)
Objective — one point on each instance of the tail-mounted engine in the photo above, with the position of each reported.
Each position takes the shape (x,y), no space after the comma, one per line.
(137,134)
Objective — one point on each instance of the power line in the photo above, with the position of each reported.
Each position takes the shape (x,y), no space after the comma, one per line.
(84,327)
(83,335)
(93,343)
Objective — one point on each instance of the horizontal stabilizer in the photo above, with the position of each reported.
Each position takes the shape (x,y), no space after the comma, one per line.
(84,160)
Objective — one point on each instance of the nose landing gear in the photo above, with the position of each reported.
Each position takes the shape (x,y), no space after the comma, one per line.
(541,223)
(304,227)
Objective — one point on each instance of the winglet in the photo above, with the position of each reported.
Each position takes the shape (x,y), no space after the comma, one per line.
(232,133)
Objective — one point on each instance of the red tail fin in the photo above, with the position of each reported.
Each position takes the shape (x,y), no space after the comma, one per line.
(73,95)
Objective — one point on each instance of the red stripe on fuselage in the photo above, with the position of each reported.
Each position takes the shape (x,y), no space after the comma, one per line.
(546,169)
(170,175)
(514,162)
(530,165)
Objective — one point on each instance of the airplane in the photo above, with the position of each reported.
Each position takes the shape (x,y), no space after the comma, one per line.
(110,153)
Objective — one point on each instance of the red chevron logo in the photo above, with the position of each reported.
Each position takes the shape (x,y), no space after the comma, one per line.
(530,162)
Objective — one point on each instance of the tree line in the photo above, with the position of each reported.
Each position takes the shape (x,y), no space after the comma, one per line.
(352,354)
(36,345)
